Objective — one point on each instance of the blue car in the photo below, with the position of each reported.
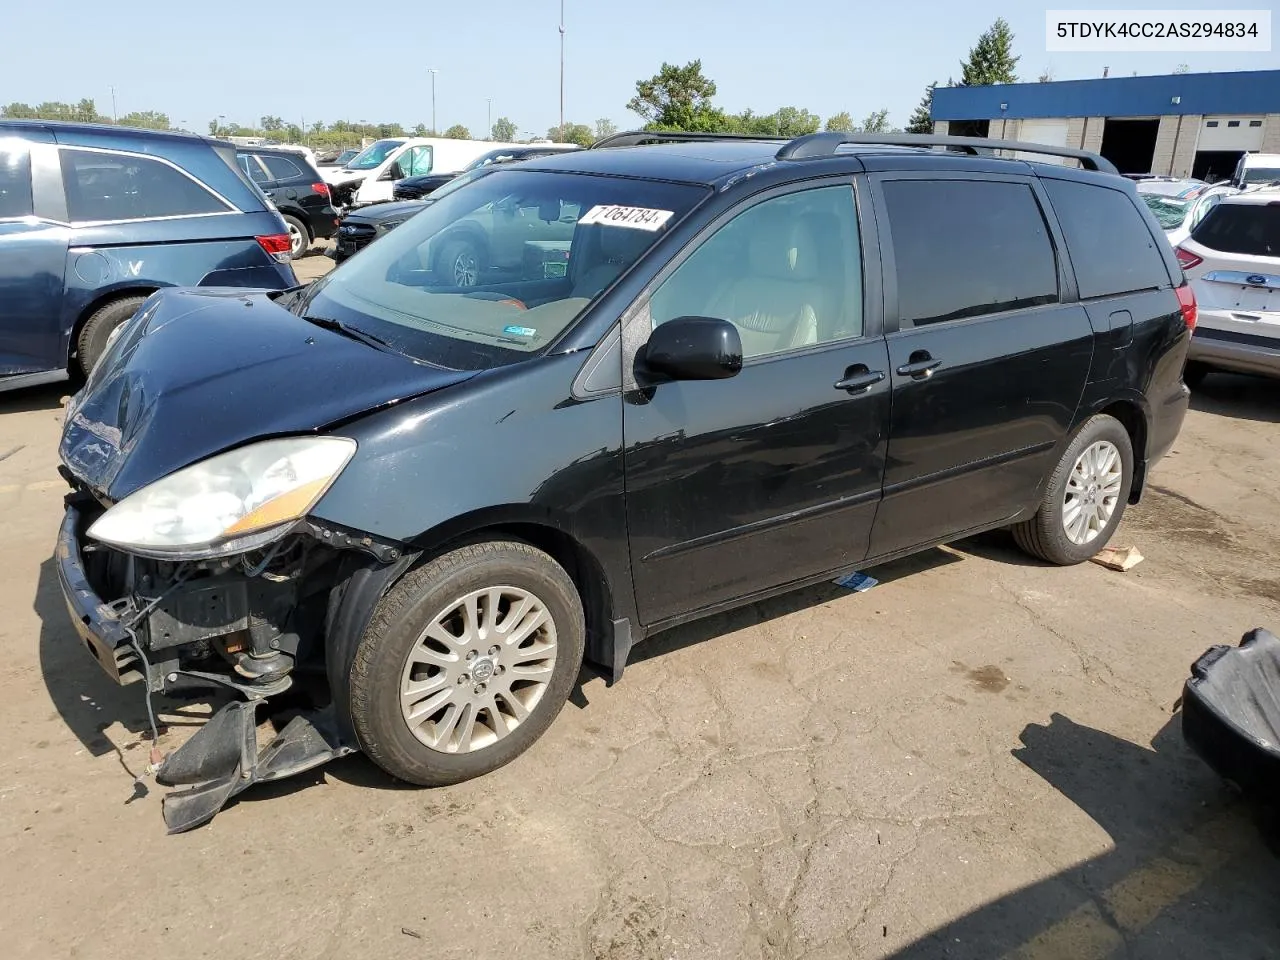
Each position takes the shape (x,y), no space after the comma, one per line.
(94,219)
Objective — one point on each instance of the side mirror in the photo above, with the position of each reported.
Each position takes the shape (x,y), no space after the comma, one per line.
(694,348)
(393,172)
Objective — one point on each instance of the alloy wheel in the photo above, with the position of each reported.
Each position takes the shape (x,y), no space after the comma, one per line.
(1093,492)
(478,671)
(466,271)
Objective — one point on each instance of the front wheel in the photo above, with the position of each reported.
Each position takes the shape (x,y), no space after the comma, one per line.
(466,662)
(99,328)
(1085,496)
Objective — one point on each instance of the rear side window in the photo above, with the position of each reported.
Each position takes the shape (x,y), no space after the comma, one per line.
(118,186)
(1248,228)
(1110,246)
(281,168)
(964,248)
(15,182)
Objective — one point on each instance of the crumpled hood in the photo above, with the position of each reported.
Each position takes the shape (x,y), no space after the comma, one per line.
(202,370)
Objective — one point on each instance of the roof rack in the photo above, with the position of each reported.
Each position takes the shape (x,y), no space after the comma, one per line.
(633,138)
(826,145)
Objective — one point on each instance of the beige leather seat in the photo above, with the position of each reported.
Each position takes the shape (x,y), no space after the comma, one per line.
(777,306)
(613,249)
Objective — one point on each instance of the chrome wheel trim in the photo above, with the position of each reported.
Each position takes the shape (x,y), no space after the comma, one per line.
(478,670)
(297,239)
(466,271)
(1093,492)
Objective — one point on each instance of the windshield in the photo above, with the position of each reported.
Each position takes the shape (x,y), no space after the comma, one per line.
(496,269)
(1261,174)
(373,155)
(1169,211)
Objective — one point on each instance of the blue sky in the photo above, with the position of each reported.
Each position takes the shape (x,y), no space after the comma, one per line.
(197,60)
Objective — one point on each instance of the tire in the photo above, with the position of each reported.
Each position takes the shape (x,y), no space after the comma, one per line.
(452,259)
(1194,373)
(382,667)
(299,237)
(97,330)
(1045,535)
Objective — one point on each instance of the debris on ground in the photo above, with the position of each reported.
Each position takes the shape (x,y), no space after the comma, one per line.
(857,582)
(1231,712)
(1118,558)
(411,933)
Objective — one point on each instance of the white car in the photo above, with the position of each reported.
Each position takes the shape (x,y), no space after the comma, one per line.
(367,177)
(1179,205)
(1232,259)
(1257,168)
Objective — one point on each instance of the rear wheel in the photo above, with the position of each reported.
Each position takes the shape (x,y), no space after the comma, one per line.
(1085,496)
(299,238)
(466,662)
(97,330)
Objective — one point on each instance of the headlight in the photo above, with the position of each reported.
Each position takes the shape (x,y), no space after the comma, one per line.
(386,225)
(227,504)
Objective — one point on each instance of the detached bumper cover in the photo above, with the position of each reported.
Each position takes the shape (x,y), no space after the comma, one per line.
(1231,712)
(105,637)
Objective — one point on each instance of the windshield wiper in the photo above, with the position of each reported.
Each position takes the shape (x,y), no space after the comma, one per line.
(355,333)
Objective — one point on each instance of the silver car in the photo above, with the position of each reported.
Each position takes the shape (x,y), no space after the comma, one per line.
(1180,205)
(1232,259)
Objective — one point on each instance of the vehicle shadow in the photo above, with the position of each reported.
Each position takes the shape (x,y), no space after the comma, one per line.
(1188,874)
(1238,396)
(32,399)
(763,611)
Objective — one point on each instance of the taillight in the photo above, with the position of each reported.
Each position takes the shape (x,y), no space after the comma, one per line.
(276,244)
(1186,258)
(1187,301)
(320,188)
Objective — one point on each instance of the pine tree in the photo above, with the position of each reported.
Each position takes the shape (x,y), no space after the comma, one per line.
(921,120)
(992,60)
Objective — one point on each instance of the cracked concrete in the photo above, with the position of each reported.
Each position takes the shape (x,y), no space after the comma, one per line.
(973,760)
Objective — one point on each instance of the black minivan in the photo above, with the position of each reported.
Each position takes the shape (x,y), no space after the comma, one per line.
(713,369)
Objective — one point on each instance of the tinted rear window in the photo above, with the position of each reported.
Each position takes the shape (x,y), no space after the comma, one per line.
(1249,228)
(281,168)
(15,181)
(1110,246)
(968,247)
(117,186)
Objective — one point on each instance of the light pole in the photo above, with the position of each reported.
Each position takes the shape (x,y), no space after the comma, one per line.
(222,123)
(561,69)
(113,105)
(489,129)
(433,71)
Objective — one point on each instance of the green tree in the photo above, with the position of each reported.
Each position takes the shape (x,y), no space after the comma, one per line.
(839,123)
(18,111)
(1181,68)
(677,98)
(457,132)
(921,119)
(796,121)
(214,127)
(146,118)
(1046,76)
(877,122)
(605,128)
(992,59)
(293,133)
(420,130)
(270,123)
(578,133)
(504,131)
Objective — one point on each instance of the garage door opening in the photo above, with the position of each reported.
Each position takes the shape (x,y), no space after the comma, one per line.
(1214,165)
(1130,144)
(969,128)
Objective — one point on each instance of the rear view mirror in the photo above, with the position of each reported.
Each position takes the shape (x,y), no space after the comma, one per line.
(694,348)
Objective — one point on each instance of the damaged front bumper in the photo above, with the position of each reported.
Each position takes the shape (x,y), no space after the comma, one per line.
(245,625)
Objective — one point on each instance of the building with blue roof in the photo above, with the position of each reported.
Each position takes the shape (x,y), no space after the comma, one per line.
(1189,124)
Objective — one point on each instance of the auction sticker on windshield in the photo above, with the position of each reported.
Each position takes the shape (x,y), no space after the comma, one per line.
(635,218)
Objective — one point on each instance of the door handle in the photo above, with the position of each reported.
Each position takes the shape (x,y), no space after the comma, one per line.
(919,366)
(858,378)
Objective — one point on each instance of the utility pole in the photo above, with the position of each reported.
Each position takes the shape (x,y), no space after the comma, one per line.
(561,69)
(489,129)
(433,71)
(113,104)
